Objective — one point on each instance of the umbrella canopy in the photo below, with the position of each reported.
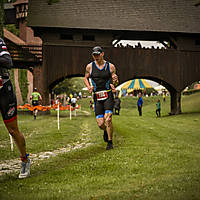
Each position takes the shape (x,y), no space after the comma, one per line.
(160,88)
(119,87)
(85,89)
(136,84)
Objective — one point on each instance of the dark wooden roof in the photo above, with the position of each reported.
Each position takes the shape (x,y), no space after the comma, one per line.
(13,38)
(134,15)
(20,2)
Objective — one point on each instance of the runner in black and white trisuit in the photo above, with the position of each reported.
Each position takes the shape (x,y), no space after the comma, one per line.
(8,108)
(104,79)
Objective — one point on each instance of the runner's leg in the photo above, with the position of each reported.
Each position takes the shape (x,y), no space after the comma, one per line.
(17,136)
(99,112)
(36,111)
(108,124)
(20,142)
(101,123)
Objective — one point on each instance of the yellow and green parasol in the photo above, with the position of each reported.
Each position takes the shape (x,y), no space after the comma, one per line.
(136,84)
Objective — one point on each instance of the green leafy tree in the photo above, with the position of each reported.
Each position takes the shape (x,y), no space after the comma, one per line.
(12,28)
(23,83)
(52,1)
(69,85)
(12,78)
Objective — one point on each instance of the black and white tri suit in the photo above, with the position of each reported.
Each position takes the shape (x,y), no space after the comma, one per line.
(101,80)
(8,101)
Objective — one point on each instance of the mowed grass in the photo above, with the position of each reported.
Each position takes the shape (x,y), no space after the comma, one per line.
(153,158)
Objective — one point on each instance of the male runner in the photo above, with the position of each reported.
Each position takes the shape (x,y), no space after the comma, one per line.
(35,97)
(8,108)
(104,80)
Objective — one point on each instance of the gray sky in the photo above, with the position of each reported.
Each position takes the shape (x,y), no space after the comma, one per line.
(143,43)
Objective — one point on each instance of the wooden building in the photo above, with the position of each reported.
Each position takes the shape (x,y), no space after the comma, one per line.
(69,29)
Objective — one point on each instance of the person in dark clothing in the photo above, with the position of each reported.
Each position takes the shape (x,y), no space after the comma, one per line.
(117,103)
(8,108)
(158,108)
(91,105)
(140,103)
(104,79)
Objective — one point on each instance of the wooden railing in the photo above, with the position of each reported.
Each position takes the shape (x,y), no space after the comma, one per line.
(26,54)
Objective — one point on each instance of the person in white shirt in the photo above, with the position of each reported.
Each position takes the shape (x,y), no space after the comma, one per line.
(73,102)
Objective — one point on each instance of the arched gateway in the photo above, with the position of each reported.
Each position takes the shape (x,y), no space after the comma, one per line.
(69,30)
(173,69)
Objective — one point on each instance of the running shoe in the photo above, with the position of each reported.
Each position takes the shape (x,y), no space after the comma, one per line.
(25,169)
(109,146)
(105,136)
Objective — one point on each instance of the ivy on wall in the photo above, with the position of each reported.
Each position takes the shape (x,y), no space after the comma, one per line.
(52,1)
(12,78)
(23,83)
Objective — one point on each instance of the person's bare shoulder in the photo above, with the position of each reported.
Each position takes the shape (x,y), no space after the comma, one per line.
(112,68)
(88,68)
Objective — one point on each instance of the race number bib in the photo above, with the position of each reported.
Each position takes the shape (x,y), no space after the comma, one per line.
(1,82)
(102,95)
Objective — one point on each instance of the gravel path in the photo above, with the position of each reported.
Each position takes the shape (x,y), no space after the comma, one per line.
(9,166)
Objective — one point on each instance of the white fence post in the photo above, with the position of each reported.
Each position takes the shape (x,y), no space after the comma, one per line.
(70,112)
(11,143)
(58,116)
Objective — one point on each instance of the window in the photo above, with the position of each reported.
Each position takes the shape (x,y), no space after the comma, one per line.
(89,37)
(197,42)
(66,36)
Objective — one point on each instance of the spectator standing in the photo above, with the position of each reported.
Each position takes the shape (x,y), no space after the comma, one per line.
(164,97)
(91,104)
(73,102)
(140,103)
(158,108)
(80,95)
(117,103)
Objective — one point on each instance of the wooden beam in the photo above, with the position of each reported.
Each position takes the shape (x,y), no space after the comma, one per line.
(197,3)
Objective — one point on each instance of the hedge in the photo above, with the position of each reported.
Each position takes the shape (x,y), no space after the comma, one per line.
(189,92)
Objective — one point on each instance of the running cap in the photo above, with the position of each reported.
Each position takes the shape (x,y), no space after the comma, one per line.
(97,50)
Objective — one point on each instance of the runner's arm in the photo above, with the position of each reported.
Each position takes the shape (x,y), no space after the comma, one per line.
(115,80)
(5,58)
(86,78)
(40,97)
(6,61)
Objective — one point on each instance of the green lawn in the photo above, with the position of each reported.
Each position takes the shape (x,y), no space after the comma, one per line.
(153,158)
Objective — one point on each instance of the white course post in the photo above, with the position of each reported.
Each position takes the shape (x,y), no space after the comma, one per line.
(75,111)
(11,143)
(70,112)
(58,116)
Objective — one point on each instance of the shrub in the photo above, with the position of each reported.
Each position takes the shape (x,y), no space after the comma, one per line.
(23,83)
(189,92)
